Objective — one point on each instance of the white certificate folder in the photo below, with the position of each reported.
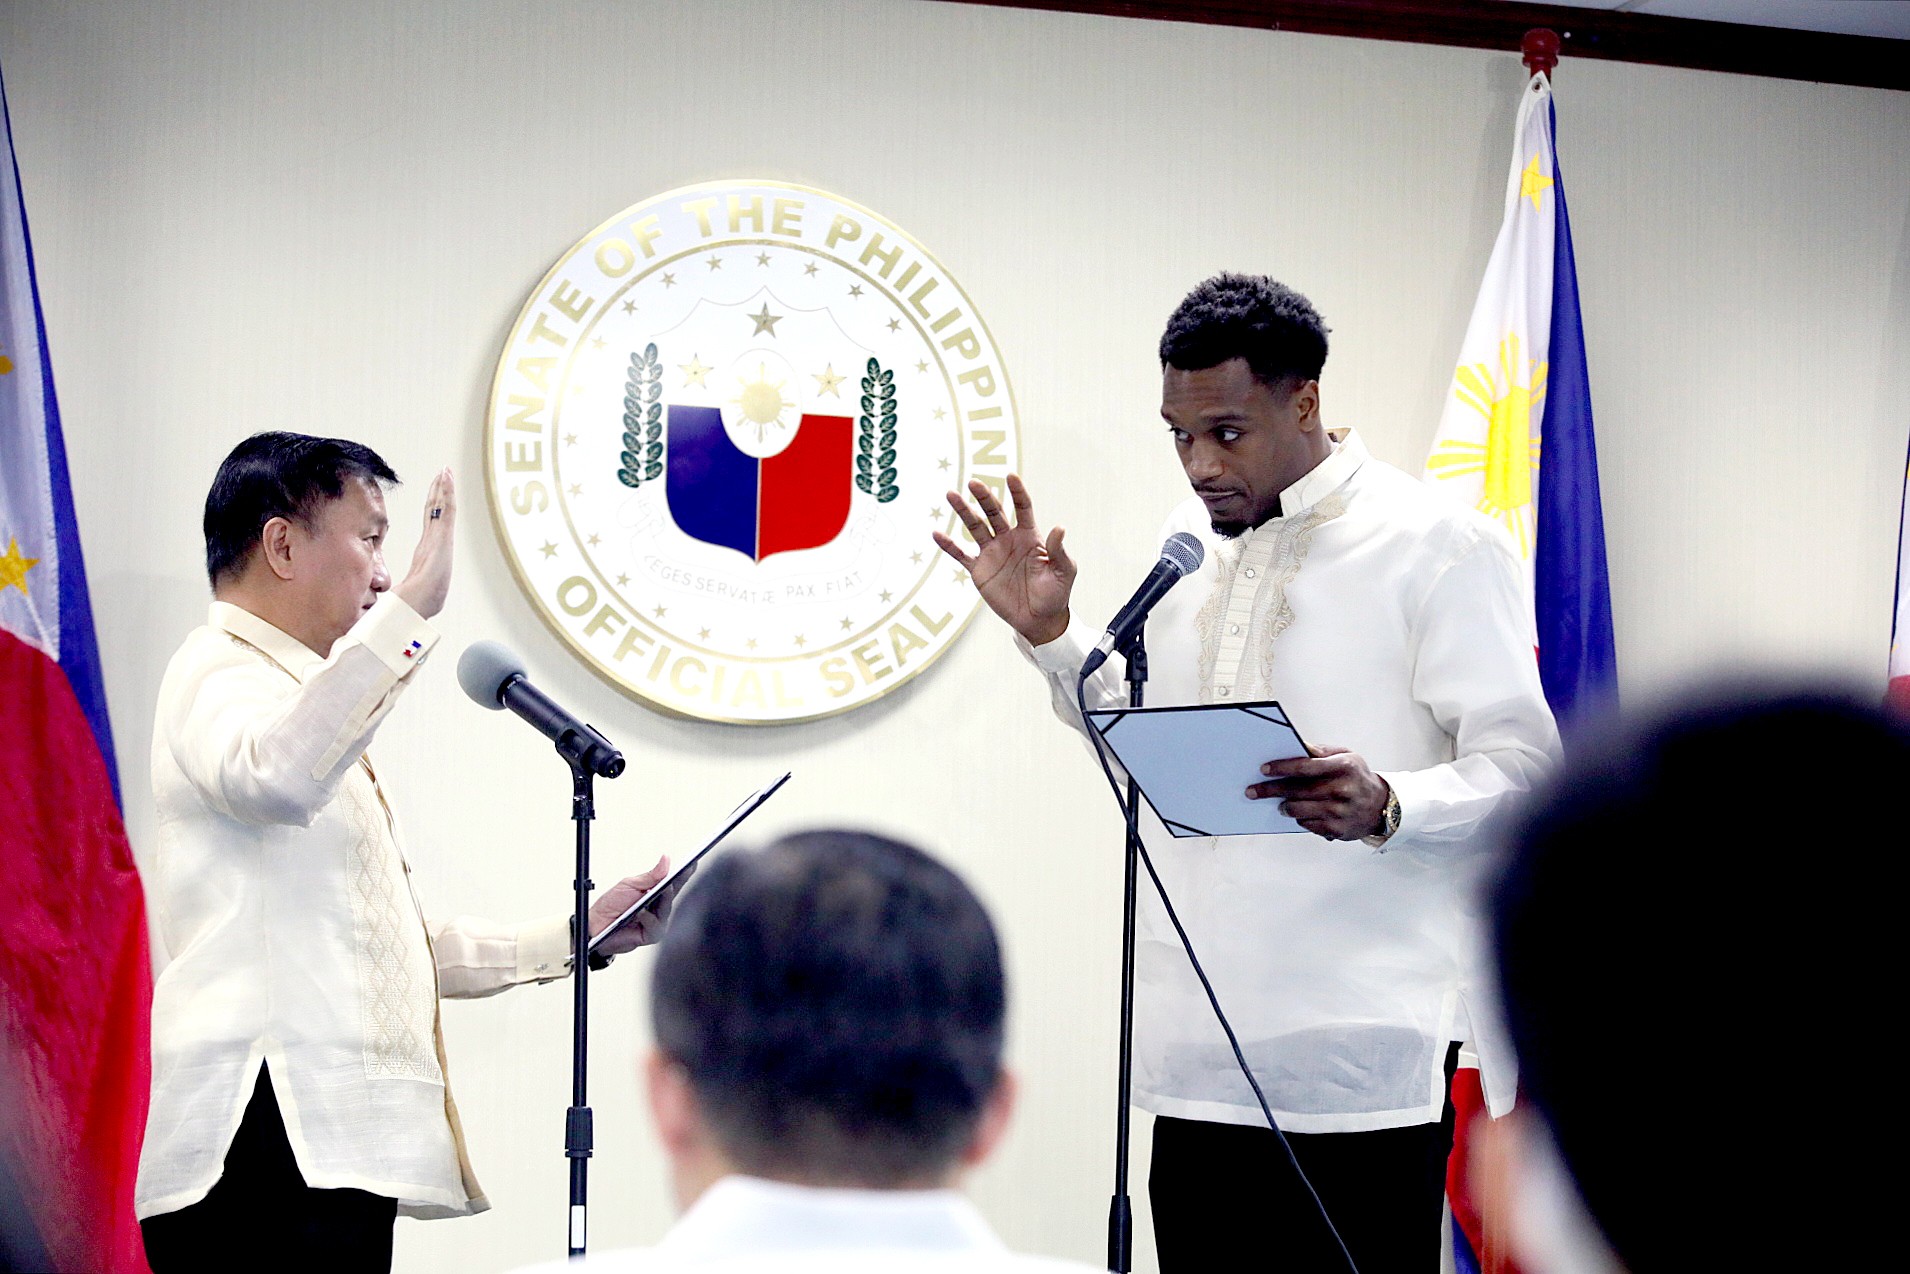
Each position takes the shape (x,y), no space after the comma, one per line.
(1195,763)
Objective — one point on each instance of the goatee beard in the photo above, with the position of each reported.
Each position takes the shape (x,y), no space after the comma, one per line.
(1233,530)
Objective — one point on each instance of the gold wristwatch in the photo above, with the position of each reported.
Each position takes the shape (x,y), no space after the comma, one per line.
(1388,821)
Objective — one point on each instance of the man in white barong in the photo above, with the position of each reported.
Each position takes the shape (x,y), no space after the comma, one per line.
(1393,629)
(299,1097)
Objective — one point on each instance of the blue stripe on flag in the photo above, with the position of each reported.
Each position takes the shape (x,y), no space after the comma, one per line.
(1464,1261)
(1577,659)
(79,652)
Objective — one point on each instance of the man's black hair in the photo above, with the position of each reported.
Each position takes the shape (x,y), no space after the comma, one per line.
(1248,316)
(837,1002)
(1690,943)
(278,475)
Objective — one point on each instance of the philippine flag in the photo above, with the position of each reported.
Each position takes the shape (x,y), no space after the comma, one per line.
(1515,441)
(75,979)
(1899,692)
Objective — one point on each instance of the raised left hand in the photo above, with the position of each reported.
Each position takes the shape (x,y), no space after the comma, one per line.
(646,926)
(1332,793)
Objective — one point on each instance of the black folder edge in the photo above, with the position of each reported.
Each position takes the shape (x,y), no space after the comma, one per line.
(750,805)
(1266,709)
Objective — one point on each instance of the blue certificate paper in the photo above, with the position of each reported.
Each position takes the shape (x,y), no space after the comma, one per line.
(1195,763)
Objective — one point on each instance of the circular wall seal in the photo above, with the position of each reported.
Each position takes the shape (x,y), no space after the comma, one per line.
(718,440)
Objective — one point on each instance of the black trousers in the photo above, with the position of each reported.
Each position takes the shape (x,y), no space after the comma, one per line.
(261,1212)
(1225,1197)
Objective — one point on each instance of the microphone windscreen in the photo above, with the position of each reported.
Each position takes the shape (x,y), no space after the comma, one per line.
(1184,551)
(483,669)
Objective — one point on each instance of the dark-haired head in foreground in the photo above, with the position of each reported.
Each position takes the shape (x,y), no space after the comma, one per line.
(1240,391)
(1691,973)
(828,1010)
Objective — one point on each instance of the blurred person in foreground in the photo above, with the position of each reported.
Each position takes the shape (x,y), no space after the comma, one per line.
(1617,918)
(828,1015)
(299,1098)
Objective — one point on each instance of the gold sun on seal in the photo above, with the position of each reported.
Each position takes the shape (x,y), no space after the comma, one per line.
(762,405)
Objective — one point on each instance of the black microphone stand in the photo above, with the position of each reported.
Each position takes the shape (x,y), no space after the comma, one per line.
(1120,1211)
(579,1136)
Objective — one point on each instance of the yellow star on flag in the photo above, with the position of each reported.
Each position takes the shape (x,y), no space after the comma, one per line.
(1532,182)
(827,380)
(694,373)
(14,566)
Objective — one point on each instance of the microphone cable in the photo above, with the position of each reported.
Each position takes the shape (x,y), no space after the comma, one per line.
(1187,944)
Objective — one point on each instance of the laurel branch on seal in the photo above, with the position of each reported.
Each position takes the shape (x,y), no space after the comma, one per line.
(875,445)
(642,419)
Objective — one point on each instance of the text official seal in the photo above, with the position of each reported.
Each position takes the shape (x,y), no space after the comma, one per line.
(717,443)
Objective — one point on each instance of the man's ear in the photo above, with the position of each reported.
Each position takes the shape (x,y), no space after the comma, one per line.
(1306,405)
(673,1105)
(697,1162)
(275,547)
(993,1124)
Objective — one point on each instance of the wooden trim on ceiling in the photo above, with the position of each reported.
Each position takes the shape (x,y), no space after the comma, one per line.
(1777,52)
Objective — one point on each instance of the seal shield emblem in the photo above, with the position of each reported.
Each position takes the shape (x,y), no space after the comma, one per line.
(717,442)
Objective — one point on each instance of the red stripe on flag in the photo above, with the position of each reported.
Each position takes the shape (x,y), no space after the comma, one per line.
(1484,1233)
(75,973)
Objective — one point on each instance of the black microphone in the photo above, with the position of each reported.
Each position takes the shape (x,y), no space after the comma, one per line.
(1181,555)
(495,678)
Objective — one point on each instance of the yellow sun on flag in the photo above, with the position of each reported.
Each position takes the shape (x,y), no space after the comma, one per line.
(1510,453)
(1533,183)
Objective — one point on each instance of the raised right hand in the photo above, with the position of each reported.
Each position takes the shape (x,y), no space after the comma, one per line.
(1023,578)
(427,583)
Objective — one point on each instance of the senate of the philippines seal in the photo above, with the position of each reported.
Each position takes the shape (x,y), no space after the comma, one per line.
(717,443)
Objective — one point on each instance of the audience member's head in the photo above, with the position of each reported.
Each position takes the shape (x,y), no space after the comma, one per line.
(828,1011)
(1687,934)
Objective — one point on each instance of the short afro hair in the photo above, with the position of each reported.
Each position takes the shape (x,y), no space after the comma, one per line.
(1250,316)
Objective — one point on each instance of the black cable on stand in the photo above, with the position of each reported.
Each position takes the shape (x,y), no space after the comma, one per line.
(1120,1212)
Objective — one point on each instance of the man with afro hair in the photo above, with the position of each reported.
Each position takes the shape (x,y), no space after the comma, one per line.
(1392,627)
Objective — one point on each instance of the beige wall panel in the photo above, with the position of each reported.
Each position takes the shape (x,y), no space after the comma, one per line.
(324,217)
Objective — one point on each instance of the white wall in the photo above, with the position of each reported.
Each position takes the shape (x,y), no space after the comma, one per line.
(324,216)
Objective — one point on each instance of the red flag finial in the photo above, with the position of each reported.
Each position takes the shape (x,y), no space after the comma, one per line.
(1540,49)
